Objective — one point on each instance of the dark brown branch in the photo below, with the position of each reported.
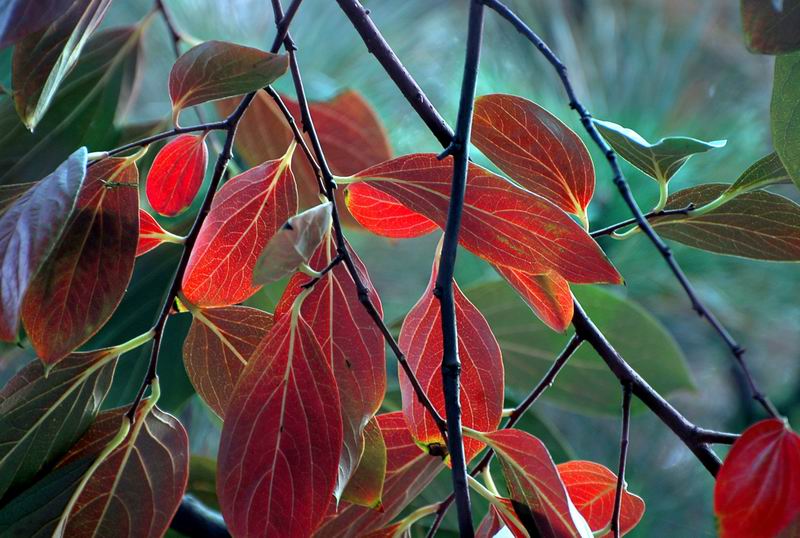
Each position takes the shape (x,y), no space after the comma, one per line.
(341,244)
(627,195)
(623,456)
(653,215)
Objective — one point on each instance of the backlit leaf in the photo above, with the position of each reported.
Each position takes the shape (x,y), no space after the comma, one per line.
(351,342)
(176,174)
(770,27)
(529,348)
(501,223)
(659,160)
(757,493)
(758,224)
(547,295)
(785,109)
(535,149)
(383,214)
(592,488)
(11,193)
(217,348)
(81,284)
(137,489)
(539,497)
(281,438)
(408,472)
(30,230)
(491,524)
(365,486)
(43,59)
(293,244)
(19,18)
(481,368)
(217,69)
(766,171)
(42,416)
(151,234)
(245,214)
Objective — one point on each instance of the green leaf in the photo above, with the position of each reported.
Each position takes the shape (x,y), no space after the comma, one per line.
(43,59)
(585,384)
(82,112)
(43,413)
(659,160)
(759,224)
(785,112)
(771,26)
(766,171)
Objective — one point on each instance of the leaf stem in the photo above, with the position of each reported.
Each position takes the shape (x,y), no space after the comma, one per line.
(653,215)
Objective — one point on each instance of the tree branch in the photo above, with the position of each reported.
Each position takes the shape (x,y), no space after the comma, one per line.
(627,195)
(623,456)
(649,216)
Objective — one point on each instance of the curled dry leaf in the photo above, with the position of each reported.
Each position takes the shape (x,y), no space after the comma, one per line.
(245,214)
(176,174)
(365,486)
(757,493)
(80,286)
(293,244)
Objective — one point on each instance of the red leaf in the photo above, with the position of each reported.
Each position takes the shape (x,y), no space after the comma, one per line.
(137,489)
(382,214)
(481,368)
(757,493)
(29,230)
(535,149)
(281,438)
(352,343)
(592,488)
(177,174)
(245,214)
(151,234)
(537,493)
(217,348)
(408,472)
(217,69)
(87,274)
(501,223)
(548,295)
(496,520)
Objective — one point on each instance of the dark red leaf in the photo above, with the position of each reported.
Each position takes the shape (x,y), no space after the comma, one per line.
(176,174)
(281,438)
(19,18)
(86,276)
(217,348)
(757,493)
(535,149)
(481,368)
(501,223)
(29,230)
(245,214)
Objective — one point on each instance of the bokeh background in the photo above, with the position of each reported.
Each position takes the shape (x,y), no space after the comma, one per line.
(661,67)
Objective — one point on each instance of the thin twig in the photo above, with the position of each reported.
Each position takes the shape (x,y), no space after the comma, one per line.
(653,215)
(341,244)
(623,456)
(627,195)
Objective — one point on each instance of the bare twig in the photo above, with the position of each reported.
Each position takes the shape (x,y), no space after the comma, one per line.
(623,456)
(653,215)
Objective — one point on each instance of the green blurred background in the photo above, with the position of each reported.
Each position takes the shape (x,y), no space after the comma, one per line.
(661,67)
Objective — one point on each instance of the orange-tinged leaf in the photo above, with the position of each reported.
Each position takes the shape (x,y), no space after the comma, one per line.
(535,149)
(481,368)
(151,234)
(176,174)
(217,69)
(351,342)
(281,438)
(29,231)
(365,487)
(547,295)
(537,494)
(757,493)
(501,223)
(383,214)
(592,489)
(408,472)
(137,489)
(216,350)
(245,214)
(86,276)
